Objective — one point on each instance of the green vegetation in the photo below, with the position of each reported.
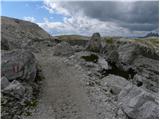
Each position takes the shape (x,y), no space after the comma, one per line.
(91,58)
(109,40)
(151,41)
(33,103)
(72,37)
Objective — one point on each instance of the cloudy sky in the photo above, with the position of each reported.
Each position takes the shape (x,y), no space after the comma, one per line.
(110,18)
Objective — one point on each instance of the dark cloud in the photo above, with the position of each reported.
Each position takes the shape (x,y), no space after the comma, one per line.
(140,26)
(136,16)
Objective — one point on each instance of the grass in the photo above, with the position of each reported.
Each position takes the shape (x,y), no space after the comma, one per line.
(154,42)
(91,58)
(73,37)
(30,105)
(150,44)
(109,40)
(33,103)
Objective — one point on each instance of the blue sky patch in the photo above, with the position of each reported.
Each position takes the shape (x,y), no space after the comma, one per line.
(21,9)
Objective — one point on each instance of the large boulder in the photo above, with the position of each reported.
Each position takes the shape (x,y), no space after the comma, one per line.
(18,64)
(138,103)
(63,48)
(114,83)
(94,44)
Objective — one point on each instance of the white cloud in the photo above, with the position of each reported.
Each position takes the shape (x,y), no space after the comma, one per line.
(31,19)
(84,26)
(57,7)
(75,22)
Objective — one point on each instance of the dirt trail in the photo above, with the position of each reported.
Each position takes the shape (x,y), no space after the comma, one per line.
(63,95)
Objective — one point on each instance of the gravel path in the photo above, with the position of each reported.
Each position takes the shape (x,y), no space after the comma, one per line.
(63,95)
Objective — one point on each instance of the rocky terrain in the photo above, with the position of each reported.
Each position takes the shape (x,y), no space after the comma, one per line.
(51,77)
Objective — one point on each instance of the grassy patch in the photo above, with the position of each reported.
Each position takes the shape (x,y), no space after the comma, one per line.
(91,58)
(109,40)
(150,42)
(33,103)
(73,37)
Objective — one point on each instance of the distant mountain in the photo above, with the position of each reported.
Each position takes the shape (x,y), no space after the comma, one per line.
(152,34)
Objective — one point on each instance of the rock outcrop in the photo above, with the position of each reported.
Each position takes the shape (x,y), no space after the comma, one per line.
(94,44)
(19,33)
(142,59)
(18,64)
(130,51)
(138,103)
(148,69)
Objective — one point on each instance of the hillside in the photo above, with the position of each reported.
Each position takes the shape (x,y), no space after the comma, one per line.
(72,37)
(18,33)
